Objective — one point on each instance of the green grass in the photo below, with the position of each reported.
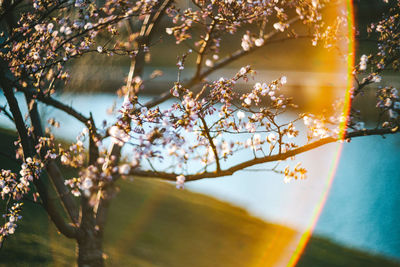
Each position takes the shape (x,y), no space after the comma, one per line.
(151,223)
(323,252)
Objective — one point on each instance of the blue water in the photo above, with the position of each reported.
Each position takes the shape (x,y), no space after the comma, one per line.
(362,210)
(363,205)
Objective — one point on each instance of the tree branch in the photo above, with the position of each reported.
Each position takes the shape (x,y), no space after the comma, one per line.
(210,140)
(115,150)
(56,104)
(6,113)
(223,62)
(270,158)
(62,226)
(240,53)
(51,167)
(207,40)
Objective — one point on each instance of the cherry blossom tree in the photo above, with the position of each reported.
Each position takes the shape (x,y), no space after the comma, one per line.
(195,123)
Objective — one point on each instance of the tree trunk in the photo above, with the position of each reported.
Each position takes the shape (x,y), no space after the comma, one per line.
(90,238)
(90,249)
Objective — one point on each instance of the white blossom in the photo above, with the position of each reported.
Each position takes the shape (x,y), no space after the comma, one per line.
(256,141)
(118,135)
(180,181)
(259,42)
(6,190)
(363,62)
(246,42)
(240,115)
(87,184)
(36,56)
(376,79)
(271,137)
(50,27)
(124,169)
(242,71)
(209,63)
(279,26)
(251,127)
(88,26)
(388,102)
(67,31)
(307,120)
(287,179)
(64,159)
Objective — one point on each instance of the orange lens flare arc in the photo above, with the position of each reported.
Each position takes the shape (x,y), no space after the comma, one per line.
(342,133)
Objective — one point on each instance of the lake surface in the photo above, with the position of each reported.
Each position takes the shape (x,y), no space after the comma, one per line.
(362,209)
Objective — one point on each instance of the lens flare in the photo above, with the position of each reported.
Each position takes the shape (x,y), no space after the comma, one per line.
(346,109)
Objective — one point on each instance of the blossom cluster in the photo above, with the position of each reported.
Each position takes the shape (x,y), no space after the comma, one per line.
(321,127)
(389,102)
(296,173)
(99,175)
(206,117)
(381,60)
(44,41)
(388,46)
(218,17)
(209,121)
(11,218)
(13,188)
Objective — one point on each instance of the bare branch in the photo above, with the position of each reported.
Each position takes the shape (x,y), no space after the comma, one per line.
(206,43)
(210,140)
(57,104)
(6,113)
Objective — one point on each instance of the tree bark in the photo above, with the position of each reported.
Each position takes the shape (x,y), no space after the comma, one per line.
(90,249)
(91,232)
(90,238)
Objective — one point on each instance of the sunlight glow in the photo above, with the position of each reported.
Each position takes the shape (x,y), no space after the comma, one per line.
(346,109)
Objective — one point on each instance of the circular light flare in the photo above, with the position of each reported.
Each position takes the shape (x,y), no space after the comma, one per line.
(306,235)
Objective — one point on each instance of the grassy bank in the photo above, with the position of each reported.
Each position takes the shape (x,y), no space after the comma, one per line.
(151,223)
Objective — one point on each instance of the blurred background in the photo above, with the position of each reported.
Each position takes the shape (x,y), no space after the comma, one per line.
(251,218)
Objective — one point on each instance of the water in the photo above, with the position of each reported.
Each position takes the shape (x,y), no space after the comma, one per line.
(362,209)
(363,206)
